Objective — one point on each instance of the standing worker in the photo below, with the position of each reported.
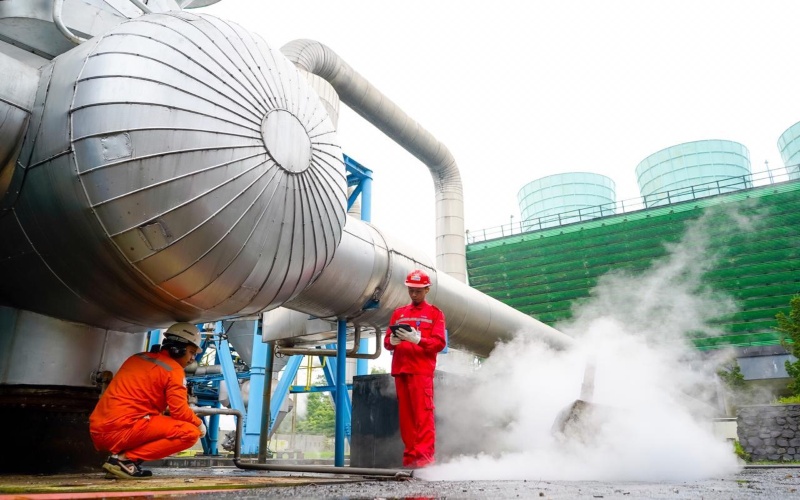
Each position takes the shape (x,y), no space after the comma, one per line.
(415,345)
(130,420)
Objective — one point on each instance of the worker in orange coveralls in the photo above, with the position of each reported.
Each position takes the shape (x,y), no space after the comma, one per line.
(130,421)
(415,345)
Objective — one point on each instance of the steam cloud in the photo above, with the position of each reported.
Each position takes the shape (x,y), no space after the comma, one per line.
(651,384)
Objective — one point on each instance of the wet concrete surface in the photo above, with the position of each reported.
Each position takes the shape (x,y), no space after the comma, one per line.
(230,483)
(749,483)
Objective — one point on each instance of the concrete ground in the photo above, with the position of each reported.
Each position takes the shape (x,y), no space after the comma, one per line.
(226,482)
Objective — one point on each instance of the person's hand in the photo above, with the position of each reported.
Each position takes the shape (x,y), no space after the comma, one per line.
(202,428)
(412,335)
(394,339)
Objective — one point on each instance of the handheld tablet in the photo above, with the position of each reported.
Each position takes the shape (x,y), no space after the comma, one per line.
(395,328)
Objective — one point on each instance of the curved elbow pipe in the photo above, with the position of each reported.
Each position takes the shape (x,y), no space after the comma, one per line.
(366,100)
(58,5)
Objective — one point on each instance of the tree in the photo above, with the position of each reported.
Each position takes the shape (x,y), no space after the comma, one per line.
(732,376)
(736,392)
(789,326)
(320,416)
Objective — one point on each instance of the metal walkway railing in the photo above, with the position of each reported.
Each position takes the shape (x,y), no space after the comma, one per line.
(723,186)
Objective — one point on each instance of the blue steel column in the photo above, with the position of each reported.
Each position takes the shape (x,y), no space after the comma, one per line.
(341,391)
(211,440)
(153,338)
(362,365)
(255,402)
(266,403)
(366,197)
(330,370)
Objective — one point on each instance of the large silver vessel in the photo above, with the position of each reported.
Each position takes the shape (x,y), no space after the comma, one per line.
(158,165)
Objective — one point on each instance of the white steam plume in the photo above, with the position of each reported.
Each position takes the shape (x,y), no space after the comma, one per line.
(650,383)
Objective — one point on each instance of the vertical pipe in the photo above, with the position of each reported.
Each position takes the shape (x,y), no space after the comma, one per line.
(213,434)
(213,421)
(341,391)
(266,419)
(362,365)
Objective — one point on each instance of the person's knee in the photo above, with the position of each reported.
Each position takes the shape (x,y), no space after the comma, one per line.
(189,434)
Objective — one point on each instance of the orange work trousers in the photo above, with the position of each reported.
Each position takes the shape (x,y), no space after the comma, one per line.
(149,438)
(417,423)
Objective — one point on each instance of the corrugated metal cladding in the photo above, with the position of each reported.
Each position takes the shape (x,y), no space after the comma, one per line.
(544,273)
(789,146)
(691,170)
(565,198)
(212,174)
(188,171)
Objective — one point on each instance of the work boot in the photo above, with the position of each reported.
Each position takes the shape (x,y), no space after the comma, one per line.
(125,469)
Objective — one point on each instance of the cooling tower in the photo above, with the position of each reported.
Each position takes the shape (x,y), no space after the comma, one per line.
(692,170)
(565,198)
(789,146)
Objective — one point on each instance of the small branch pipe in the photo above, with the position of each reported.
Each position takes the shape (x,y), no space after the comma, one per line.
(58,6)
(326,469)
(144,8)
(207,410)
(352,353)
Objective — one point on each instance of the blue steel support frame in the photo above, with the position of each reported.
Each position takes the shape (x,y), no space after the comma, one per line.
(361,177)
(282,389)
(331,369)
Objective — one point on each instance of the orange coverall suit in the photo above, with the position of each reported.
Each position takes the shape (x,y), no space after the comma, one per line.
(129,416)
(412,369)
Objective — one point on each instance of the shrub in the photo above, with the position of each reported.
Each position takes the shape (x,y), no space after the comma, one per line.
(737,448)
(789,327)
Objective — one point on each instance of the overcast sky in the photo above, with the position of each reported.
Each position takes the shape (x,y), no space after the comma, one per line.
(522,89)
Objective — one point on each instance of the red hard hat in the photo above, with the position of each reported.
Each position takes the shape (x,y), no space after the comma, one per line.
(417,279)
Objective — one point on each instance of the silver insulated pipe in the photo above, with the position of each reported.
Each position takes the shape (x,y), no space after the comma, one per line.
(366,100)
(370,266)
(177,168)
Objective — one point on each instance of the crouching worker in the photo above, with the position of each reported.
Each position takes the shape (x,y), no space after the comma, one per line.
(129,419)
